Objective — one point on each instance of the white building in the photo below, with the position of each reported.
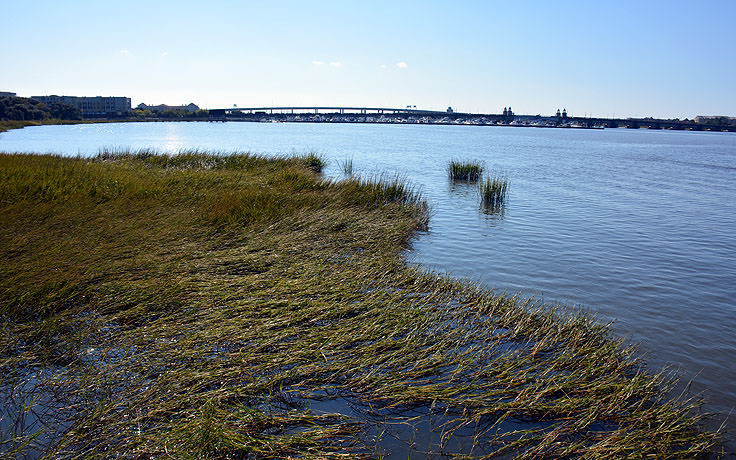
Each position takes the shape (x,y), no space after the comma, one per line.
(191,107)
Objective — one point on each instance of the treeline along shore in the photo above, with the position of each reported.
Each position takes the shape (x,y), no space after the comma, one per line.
(207,306)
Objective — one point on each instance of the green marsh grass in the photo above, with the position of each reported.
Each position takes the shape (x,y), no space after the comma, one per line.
(313,161)
(16,124)
(493,192)
(212,306)
(19,124)
(347,167)
(465,171)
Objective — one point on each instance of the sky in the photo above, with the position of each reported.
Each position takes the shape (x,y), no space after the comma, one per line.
(668,59)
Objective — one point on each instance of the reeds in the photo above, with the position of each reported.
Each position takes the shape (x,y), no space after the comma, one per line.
(378,192)
(18,124)
(493,192)
(218,307)
(347,167)
(313,161)
(465,171)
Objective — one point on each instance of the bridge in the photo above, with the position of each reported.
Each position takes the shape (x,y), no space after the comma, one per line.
(325,109)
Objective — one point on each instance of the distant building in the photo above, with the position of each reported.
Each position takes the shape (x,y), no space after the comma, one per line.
(92,107)
(191,107)
(449,110)
(6,94)
(715,119)
(507,112)
(564,114)
(558,114)
(71,100)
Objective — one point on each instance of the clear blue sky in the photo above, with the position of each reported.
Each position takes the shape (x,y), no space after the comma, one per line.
(628,58)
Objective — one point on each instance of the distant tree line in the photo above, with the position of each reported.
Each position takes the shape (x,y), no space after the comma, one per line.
(170,114)
(25,109)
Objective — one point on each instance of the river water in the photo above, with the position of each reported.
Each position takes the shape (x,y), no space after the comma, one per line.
(638,226)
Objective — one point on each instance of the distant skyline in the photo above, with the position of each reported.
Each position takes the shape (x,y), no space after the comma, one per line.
(667,59)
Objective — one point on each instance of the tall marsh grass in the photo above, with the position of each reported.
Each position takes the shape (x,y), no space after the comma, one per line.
(313,161)
(465,171)
(377,192)
(493,191)
(17,124)
(347,167)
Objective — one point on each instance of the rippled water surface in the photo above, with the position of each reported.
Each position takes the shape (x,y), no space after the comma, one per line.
(636,225)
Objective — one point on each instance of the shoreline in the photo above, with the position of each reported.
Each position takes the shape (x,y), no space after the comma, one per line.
(9,125)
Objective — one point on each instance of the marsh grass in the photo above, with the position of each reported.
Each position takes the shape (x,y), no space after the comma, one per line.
(493,192)
(206,306)
(313,161)
(465,171)
(347,167)
(18,124)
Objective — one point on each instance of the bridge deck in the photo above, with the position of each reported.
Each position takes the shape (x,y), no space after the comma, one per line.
(334,108)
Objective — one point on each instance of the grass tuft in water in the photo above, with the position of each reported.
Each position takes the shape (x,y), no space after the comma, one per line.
(465,171)
(347,167)
(493,192)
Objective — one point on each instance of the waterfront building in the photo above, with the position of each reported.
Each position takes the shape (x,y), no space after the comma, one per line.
(715,119)
(191,107)
(92,107)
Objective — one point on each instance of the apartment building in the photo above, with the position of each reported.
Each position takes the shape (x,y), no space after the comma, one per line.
(93,107)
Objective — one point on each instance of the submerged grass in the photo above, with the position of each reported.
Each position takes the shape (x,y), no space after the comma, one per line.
(211,306)
(465,171)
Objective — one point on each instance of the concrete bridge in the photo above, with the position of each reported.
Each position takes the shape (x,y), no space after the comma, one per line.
(324,109)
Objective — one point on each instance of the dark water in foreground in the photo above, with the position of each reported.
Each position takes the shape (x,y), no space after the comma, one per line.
(638,226)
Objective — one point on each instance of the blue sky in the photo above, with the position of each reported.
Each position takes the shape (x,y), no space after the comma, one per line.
(622,58)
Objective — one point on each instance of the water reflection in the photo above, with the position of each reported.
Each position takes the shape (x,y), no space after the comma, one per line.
(172,140)
(494,212)
(463,188)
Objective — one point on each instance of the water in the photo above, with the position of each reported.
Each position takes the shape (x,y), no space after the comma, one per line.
(638,226)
